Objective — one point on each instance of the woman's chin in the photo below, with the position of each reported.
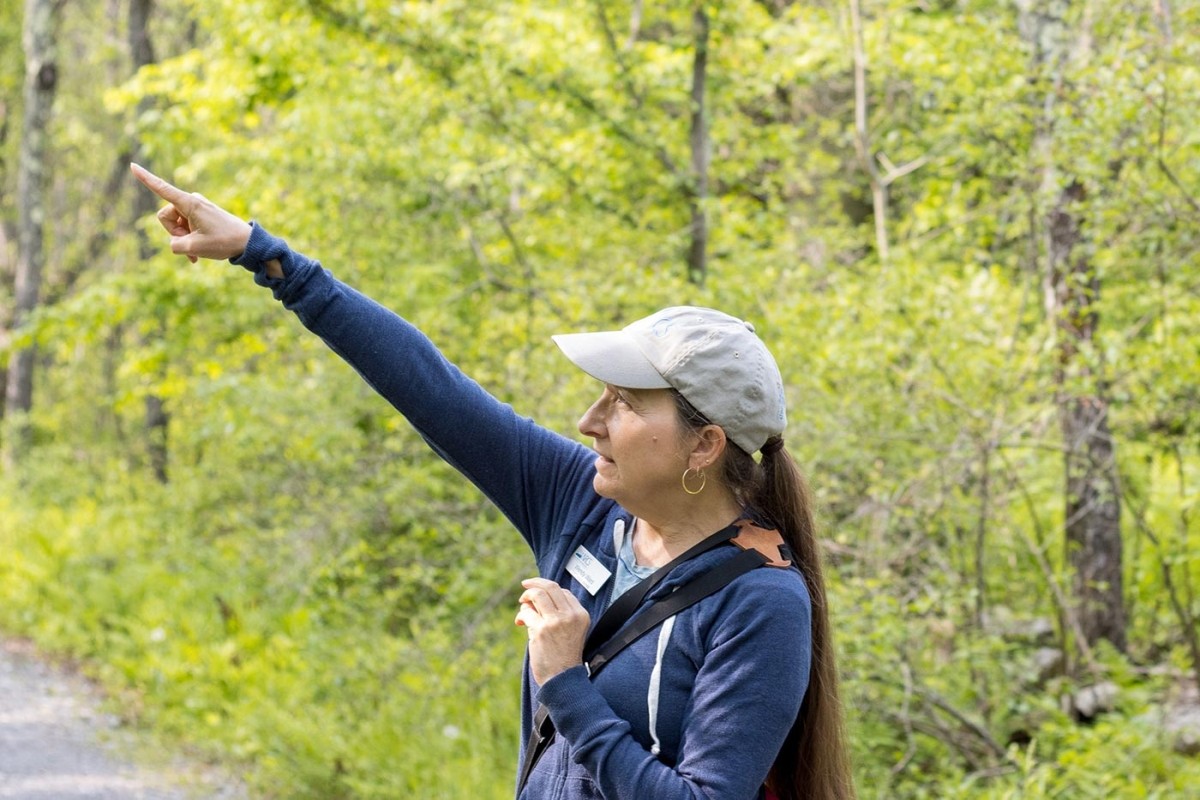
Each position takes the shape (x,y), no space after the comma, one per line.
(603,486)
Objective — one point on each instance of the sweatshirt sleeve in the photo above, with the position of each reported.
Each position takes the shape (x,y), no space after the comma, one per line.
(536,477)
(746,697)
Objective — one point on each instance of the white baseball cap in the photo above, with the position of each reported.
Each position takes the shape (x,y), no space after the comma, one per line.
(714,360)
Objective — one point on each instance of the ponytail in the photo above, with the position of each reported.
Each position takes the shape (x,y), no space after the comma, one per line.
(814,762)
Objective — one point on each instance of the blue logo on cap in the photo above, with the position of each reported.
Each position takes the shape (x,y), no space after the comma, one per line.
(663,326)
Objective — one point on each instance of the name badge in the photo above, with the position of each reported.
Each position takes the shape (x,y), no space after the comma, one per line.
(587,569)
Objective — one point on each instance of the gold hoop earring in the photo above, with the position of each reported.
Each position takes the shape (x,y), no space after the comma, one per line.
(700,474)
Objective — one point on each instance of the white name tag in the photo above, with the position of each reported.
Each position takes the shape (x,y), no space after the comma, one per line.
(585,568)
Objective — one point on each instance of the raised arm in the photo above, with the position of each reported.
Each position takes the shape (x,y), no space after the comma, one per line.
(533,475)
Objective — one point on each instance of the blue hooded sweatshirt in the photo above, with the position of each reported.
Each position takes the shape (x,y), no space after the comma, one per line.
(697,708)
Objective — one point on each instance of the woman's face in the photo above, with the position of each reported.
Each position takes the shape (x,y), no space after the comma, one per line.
(641,444)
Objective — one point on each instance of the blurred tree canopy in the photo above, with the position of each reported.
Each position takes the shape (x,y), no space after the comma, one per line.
(968,231)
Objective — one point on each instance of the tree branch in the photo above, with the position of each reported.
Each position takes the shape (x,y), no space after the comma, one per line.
(1187,622)
(1161,159)
(980,732)
(618,54)
(435,54)
(1066,612)
(635,24)
(894,172)
(697,258)
(862,136)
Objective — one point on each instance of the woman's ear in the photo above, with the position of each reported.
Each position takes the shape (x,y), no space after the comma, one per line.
(708,448)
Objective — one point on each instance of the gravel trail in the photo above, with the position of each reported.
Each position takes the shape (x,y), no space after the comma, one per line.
(56,743)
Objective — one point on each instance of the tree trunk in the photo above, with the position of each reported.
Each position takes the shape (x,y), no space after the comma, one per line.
(8,234)
(1071,288)
(697,258)
(1093,507)
(41,80)
(156,418)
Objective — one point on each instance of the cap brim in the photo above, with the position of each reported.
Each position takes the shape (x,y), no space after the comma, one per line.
(611,357)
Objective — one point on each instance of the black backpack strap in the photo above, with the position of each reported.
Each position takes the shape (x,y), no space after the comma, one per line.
(623,607)
(710,582)
(539,739)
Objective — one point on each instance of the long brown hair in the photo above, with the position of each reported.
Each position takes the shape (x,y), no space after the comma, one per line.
(814,762)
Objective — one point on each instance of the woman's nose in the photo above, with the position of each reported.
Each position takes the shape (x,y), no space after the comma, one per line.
(591,424)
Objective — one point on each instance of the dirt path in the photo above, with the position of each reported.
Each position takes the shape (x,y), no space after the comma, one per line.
(56,743)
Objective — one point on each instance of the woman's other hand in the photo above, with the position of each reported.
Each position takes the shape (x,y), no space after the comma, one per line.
(198,227)
(557,625)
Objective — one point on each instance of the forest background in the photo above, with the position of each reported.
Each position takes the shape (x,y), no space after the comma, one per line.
(968,230)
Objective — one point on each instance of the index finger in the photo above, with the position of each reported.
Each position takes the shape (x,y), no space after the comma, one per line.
(172,194)
(540,583)
(533,586)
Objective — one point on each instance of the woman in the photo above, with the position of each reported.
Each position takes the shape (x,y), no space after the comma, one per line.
(732,696)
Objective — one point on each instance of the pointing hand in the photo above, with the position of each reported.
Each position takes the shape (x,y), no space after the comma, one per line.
(198,227)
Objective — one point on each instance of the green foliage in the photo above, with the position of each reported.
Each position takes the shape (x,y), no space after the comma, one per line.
(315,596)
(334,656)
